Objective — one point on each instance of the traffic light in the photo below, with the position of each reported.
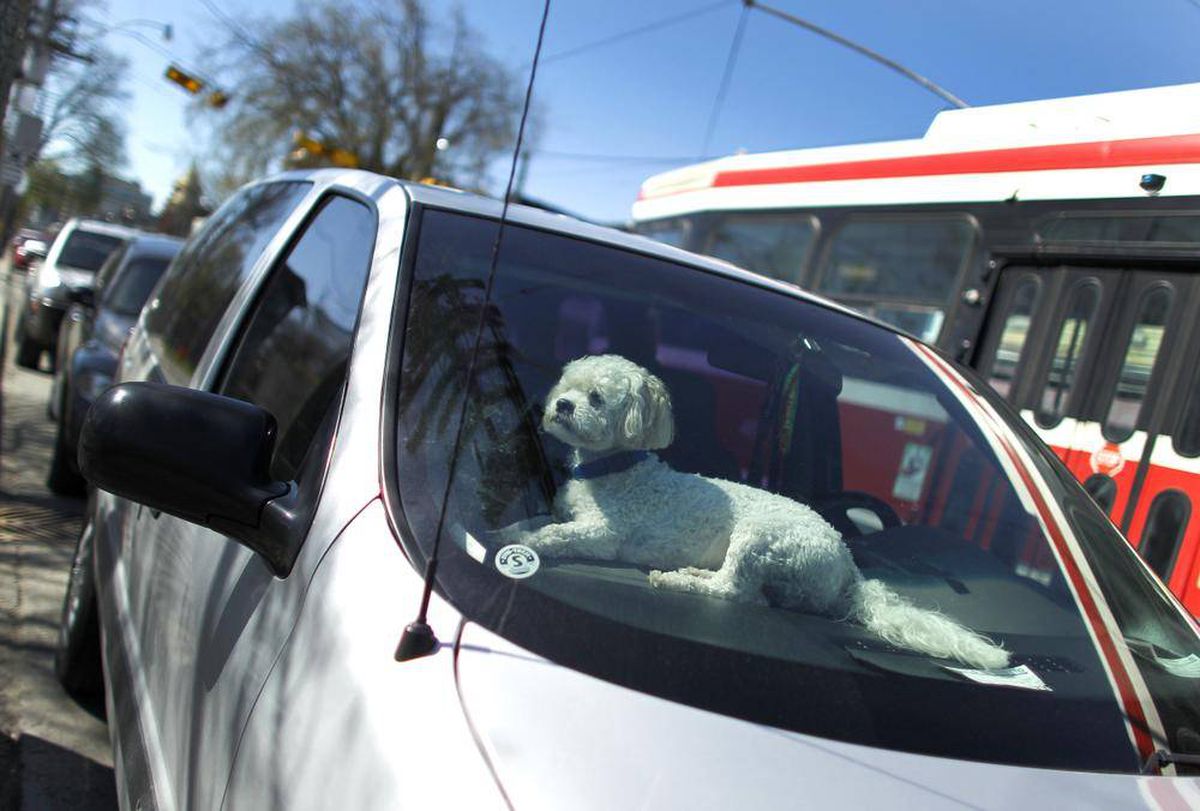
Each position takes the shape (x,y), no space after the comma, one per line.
(188,82)
(217,99)
(307,146)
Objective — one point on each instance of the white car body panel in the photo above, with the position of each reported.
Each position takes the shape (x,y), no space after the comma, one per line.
(641,751)
(341,723)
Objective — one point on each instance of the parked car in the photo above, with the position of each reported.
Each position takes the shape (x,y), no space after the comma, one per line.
(90,338)
(29,252)
(334,396)
(67,274)
(21,256)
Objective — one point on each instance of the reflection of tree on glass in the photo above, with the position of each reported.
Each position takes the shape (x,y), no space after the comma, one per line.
(436,357)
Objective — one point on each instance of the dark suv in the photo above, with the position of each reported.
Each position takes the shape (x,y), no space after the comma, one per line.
(89,342)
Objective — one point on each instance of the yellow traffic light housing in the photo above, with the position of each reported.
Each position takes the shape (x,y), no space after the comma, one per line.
(311,147)
(188,82)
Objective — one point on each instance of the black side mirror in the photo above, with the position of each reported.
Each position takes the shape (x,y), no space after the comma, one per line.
(195,455)
(83,295)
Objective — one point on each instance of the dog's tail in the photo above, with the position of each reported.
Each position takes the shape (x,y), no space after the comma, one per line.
(895,619)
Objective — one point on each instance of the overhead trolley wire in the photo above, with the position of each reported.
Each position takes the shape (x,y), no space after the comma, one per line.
(656,25)
(891,64)
(735,48)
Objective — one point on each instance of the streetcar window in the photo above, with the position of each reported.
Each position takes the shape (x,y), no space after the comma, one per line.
(1168,518)
(1072,336)
(774,245)
(923,322)
(1103,491)
(671,232)
(1187,433)
(1140,354)
(1092,229)
(1174,229)
(1124,227)
(1012,337)
(909,260)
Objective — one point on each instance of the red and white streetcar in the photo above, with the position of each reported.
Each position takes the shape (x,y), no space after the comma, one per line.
(1053,245)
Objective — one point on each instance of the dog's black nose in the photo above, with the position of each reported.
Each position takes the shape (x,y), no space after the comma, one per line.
(564,406)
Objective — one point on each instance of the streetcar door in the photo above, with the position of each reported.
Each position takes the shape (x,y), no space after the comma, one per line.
(1101,369)
(1042,344)
(1136,450)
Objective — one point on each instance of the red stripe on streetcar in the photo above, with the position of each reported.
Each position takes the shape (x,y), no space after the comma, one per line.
(1166,149)
(1123,683)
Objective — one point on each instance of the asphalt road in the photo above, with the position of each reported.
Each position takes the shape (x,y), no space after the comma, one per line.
(53,754)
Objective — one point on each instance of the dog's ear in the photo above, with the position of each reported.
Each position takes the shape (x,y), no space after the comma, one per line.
(648,421)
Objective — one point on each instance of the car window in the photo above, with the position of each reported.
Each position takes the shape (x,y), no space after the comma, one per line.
(192,298)
(85,250)
(293,352)
(1017,321)
(128,290)
(780,407)
(105,274)
(1137,366)
(1073,335)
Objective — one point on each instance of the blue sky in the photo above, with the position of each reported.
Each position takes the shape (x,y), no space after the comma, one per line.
(644,102)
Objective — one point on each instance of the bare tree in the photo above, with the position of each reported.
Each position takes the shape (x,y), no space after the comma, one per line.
(384,82)
(82,125)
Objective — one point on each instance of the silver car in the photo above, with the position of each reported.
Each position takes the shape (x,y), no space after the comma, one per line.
(67,274)
(333,399)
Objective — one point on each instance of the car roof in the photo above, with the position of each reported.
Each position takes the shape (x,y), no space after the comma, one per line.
(101,227)
(154,245)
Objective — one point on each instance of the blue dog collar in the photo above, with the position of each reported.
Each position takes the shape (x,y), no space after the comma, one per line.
(609,464)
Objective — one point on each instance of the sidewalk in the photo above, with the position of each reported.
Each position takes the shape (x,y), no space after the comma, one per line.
(53,755)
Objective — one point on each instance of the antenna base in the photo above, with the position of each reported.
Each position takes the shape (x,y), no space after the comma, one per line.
(417,640)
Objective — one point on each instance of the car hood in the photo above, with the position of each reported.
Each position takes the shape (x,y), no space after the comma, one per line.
(557,738)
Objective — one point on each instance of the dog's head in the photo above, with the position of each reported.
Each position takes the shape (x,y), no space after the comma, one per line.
(606,402)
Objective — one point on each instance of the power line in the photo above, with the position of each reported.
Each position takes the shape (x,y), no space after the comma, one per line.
(665,22)
(234,27)
(892,64)
(735,48)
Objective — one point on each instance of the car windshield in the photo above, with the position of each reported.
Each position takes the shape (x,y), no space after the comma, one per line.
(132,286)
(784,409)
(85,250)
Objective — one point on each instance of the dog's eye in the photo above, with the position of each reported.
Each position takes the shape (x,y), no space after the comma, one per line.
(595,400)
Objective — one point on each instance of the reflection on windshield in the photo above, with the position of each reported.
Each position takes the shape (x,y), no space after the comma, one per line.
(722,562)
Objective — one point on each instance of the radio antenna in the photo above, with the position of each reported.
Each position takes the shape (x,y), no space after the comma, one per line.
(912,75)
(418,638)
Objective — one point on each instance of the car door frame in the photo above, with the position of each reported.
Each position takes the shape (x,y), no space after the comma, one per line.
(257,631)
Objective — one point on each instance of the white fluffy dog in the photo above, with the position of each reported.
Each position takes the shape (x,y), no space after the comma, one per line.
(702,535)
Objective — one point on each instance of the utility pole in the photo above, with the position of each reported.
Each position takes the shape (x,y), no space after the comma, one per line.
(22,129)
(14,27)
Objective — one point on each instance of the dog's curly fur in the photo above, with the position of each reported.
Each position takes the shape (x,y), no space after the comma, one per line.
(709,536)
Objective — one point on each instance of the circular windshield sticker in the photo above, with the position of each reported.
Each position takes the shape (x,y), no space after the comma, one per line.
(517,561)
